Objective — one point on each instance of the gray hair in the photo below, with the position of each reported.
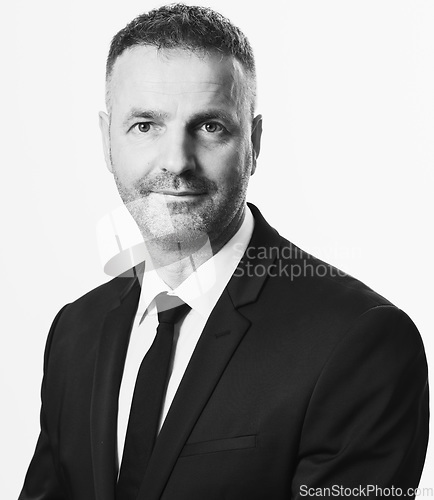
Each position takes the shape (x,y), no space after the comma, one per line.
(193,28)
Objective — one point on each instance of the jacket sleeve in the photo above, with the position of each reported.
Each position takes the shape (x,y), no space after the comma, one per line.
(42,482)
(367,421)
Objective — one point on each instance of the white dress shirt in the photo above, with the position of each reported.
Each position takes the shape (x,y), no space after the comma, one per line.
(201,291)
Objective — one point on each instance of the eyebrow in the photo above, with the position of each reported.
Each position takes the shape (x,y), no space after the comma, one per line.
(213,114)
(201,116)
(136,113)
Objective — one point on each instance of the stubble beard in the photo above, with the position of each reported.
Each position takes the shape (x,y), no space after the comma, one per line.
(172,225)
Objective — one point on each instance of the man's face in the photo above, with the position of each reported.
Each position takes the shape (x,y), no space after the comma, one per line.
(180,142)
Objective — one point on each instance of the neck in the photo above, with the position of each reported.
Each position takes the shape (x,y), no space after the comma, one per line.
(175,263)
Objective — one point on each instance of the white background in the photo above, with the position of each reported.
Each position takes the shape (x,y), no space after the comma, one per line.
(346,168)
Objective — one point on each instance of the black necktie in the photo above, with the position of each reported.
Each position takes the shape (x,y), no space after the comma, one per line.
(149,392)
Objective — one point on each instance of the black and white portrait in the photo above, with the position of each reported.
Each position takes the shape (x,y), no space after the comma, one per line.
(299,360)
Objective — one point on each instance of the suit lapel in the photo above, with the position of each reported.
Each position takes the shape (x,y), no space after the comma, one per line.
(110,360)
(256,263)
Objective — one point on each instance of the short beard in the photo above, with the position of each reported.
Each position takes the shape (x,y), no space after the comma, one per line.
(156,225)
(179,225)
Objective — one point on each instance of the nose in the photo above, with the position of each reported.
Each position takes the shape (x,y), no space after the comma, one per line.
(177,151)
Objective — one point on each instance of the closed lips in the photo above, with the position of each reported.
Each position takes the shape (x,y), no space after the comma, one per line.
(180,193)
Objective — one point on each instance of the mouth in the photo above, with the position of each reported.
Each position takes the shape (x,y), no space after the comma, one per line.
(180,193)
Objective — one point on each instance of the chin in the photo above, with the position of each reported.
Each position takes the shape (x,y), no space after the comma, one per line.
(173,232)
(182,224)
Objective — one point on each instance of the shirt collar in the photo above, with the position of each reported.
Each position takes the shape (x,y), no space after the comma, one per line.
(202,289)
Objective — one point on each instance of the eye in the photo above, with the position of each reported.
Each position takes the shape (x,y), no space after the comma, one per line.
(143,127)
(213,127)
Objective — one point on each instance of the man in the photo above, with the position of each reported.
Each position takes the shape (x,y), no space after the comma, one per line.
(284,377)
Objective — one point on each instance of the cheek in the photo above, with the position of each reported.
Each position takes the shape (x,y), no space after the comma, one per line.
(130,163)
(226,163)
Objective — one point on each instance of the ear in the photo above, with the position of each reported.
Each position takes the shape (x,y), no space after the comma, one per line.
(104,125)
(256,139)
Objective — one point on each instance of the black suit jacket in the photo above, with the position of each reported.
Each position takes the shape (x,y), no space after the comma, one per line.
(302,378)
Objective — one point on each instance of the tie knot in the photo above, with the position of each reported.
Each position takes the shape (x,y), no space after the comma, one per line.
(170,308)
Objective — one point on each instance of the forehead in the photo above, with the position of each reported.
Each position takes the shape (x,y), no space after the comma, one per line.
(145,71)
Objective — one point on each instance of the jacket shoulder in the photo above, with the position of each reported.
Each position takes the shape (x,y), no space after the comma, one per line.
(327,284)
